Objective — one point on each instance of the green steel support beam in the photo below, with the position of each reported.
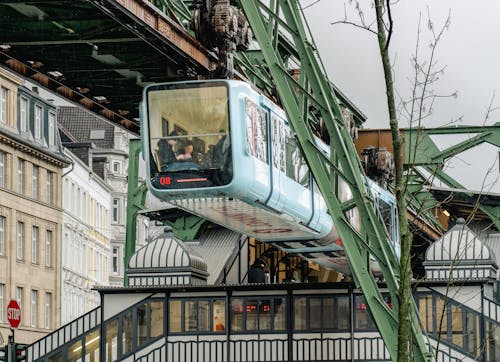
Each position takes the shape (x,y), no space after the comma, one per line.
(315,89)
(186,227)
(422,151)
(455,129)
(136,197)
(462,146)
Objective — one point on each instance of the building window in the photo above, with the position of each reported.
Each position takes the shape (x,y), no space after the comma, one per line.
(20,232)
(2,169)
(84,207)
(3,104)
(23,115)
(99,219)
(19,299)
(77,201)
(116,210)
(97,134)
(20,176)
(52,129)
(38,122)
(115,260)
(34,305)
(117,167)
(2,235)
(35,182)
(2,304)
(49,187)
(48,306)
(34,244)
(48,248)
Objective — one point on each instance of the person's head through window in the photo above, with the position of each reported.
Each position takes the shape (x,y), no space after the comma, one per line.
(186,154)
(172,140)
(166,154)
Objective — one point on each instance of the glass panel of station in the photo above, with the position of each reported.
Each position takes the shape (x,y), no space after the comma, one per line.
(276,312)
(459,326)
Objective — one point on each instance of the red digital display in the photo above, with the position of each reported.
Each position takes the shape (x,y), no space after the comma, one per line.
(165,180)
(252,308)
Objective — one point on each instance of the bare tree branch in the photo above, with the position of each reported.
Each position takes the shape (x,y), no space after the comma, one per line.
(391,23)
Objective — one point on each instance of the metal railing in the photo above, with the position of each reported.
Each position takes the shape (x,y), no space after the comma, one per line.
(64,334)
(271,350)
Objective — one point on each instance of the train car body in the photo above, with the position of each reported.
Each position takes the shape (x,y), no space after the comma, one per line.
(220,150)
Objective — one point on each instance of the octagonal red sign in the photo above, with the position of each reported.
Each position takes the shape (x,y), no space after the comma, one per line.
(14,314)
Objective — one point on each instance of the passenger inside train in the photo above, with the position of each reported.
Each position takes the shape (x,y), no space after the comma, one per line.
(190,133)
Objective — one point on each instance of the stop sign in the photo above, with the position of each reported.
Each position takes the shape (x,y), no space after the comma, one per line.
(14,313)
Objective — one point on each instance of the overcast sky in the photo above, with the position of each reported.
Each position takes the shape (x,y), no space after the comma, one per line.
(469,49)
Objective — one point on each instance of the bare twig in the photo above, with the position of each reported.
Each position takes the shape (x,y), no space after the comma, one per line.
(345,22)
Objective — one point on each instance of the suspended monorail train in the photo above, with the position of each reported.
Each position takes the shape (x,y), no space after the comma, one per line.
(220,150)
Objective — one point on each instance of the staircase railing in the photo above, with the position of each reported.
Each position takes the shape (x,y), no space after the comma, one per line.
(64,334)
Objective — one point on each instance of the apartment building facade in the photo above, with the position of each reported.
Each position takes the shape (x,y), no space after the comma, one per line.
(31,163)
(109,159)
(86,247)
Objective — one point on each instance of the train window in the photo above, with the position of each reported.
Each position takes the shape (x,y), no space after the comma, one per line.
(296,167)
(256,126)
(278,138)
(189,131)
(287,156)
(386,214)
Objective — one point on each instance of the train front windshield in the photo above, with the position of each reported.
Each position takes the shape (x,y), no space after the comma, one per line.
(189,135)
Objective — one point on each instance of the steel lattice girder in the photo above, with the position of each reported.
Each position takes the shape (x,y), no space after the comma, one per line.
(315,89)
(422,151)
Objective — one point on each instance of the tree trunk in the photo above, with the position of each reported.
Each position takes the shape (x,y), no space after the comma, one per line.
(404,293)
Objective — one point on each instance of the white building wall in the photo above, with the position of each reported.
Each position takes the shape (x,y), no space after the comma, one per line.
(116,178)
(86,238)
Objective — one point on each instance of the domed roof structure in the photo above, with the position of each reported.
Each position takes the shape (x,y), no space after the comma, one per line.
(166,261)
(459,255)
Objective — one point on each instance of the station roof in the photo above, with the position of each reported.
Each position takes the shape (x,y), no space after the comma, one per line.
(464,203)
